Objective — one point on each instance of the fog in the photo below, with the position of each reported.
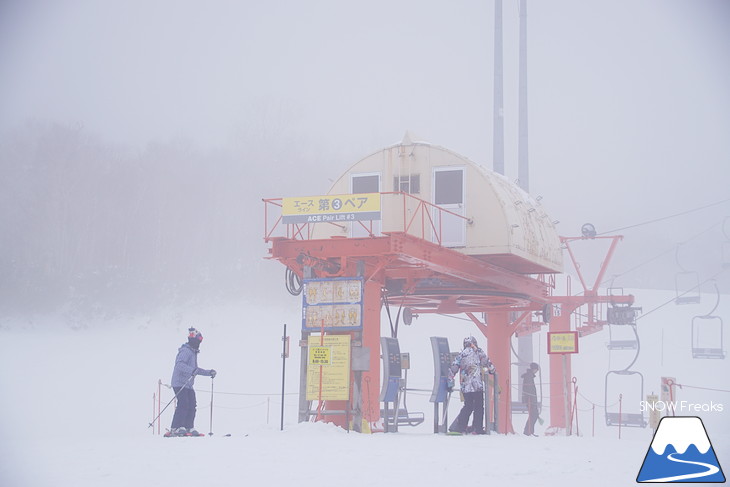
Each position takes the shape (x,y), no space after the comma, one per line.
(137,138)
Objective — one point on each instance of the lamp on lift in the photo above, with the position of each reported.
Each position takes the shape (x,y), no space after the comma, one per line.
(588,230)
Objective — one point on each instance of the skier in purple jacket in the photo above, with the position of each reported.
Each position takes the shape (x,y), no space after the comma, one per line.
(183,378)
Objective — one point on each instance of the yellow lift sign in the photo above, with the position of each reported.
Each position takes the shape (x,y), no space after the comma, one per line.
(331,208)
(320,355)
(563,342)
(328,370)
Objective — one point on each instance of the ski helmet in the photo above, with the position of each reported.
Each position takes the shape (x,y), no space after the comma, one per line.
(469,341)
(194,334)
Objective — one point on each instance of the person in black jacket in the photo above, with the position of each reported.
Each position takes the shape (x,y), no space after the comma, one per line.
(529,397)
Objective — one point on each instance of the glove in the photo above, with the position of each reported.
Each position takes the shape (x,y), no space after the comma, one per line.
(450,385)
(212,373)
(491,368)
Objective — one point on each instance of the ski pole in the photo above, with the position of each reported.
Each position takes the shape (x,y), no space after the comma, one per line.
(168,404)
(210,429)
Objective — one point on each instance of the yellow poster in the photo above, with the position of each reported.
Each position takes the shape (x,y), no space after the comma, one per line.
(328,368)
(331,208)
(563,342)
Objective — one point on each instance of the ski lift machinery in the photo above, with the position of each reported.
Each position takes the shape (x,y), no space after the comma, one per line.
(618,318)
(624,316)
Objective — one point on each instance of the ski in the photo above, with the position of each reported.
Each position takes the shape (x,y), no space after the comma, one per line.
(170,434)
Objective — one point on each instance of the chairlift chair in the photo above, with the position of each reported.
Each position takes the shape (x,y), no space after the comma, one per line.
(702,325)
(614,344)
(616,418)
(687,284)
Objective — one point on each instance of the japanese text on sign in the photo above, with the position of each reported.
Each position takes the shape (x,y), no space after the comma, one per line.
(563,342)
(320,356)
(331,208)
(331,383)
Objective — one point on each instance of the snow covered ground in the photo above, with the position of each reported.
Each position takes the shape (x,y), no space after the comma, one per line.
(76,402)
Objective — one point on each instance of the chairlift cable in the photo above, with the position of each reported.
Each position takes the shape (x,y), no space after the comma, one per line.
(644,315)
(665,217)
(717,301)
(703,388)
(614,276)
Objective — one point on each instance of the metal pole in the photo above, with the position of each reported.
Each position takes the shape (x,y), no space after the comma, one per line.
(283,375)
(154,401)
(487,408)
(159,402)
(210,428)
(495,392)
(498,129)
(620,407)
(566,392)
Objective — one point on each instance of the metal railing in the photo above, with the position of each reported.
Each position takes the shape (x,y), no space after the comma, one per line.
(415,211)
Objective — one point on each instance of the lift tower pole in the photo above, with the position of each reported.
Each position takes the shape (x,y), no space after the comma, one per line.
(498,136)
(525,342)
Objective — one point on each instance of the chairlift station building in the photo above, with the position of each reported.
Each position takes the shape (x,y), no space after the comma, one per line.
(448,236)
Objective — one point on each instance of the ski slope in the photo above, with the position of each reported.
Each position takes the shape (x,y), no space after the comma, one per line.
(76,404)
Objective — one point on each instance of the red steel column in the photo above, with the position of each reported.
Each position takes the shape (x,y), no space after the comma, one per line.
(371,339)
(559,369)
(371,378)
(498,334)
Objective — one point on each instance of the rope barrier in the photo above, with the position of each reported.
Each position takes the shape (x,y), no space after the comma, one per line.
(703,388)
(240,393)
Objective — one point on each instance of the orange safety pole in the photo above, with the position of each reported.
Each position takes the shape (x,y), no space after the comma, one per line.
(574,412)
(670,383)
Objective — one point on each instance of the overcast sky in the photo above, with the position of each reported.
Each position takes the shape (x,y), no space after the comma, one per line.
(629,100)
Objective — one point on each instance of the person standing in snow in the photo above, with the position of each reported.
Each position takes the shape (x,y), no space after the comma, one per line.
(469,364)
(529,397)
(183,377)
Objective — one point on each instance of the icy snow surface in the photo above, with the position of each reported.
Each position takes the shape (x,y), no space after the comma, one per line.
(76,403)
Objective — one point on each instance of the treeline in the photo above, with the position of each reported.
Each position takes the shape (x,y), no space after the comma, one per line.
(96,227)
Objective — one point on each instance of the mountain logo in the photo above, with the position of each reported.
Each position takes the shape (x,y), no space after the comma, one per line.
(681,452)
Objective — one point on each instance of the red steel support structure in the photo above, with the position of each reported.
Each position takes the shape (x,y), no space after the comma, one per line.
(560,365)
(422,274)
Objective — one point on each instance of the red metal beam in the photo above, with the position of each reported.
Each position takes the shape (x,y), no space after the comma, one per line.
(399,254)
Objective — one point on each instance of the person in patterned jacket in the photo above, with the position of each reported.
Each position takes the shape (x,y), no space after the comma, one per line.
(469,364)
(183,378)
